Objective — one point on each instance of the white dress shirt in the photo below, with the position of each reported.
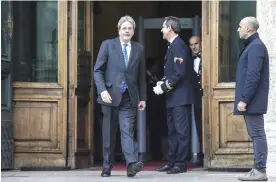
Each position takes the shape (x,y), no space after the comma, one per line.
(172,39)
(128,48)
(196,64)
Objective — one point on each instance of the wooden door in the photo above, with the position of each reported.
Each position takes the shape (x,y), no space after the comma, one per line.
(226,142)
(80,83)
(40,83)
(7,146)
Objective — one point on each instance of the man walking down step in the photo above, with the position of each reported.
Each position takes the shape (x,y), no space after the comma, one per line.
(120,78)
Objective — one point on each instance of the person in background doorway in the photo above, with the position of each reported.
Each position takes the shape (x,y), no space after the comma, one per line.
(195,46)
(120,78)
(251,93)
(177,84)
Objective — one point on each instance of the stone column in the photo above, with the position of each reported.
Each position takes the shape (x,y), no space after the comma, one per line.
(266,14)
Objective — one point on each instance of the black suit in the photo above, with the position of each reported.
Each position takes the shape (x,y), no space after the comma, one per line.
(109,74)
(178,71)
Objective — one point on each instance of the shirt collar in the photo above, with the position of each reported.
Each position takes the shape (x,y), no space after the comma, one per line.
(128,44)
(172,39)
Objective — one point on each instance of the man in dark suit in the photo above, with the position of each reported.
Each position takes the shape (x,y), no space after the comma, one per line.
(120,78)
(251,95)
(195,46)
(177,84)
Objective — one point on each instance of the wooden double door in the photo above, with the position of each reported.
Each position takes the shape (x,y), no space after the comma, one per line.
(52,94)
(226,142)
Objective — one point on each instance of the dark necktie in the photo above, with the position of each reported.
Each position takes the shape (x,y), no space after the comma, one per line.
(125,55)
(126,63)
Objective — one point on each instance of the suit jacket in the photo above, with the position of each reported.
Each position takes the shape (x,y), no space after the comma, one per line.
(252,77)
(178,75)
(110,72)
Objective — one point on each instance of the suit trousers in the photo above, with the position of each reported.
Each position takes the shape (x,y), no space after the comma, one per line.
(198,119)
(126,114)
(178,120)
(255,129)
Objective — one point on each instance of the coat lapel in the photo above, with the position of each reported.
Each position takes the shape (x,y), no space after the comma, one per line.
(133,52)
(169,49)
(167,53)
(119,51)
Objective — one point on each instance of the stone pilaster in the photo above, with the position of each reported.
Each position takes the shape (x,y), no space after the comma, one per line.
(266,14)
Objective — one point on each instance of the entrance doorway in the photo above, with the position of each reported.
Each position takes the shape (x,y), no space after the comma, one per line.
(105,27)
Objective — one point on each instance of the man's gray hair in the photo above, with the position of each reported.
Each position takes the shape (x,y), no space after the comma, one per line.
(174,23)
(252,22)
(126,19)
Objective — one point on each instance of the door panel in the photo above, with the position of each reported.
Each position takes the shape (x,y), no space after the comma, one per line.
(7,147)
(83,98)
(226,144)
(80,81)
(40,83)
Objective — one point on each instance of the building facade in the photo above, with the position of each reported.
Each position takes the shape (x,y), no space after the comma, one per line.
(266,15)
(47,58)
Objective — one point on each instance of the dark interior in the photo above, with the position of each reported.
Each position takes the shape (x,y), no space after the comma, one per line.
(106,18)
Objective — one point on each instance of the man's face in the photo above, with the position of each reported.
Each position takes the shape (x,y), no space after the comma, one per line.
(243,30)
(165,30)
(195,45)
(126,31)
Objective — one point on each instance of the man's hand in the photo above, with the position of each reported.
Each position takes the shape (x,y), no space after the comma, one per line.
(241,106)
(142,105)
(158,90)
(106,97)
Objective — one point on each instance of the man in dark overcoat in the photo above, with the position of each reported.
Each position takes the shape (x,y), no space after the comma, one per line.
(251,94)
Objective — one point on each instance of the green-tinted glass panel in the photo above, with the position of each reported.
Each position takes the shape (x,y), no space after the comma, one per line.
(81,25)
(230,14)
(35,50)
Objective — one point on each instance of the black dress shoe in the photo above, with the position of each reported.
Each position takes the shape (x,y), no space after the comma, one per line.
(134,168)
(106,172)
(177,170)
(163,168)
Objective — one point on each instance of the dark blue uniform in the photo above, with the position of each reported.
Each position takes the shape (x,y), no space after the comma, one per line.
(178,71)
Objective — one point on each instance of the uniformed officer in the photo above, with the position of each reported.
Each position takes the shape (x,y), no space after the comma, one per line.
(177,84)
(195,46)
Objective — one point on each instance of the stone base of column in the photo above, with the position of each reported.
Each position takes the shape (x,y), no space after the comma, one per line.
(270,128)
